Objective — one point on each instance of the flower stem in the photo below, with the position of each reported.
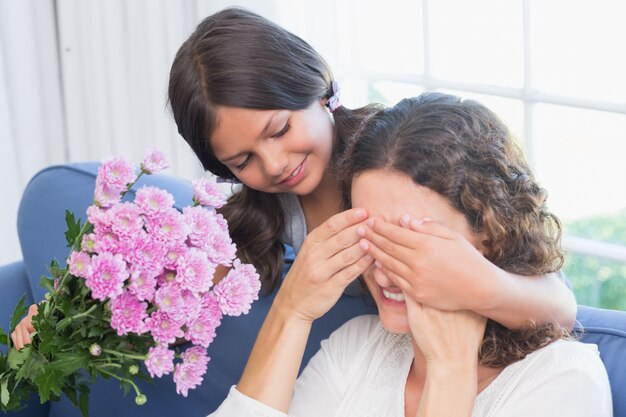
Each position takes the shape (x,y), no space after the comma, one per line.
(135,387)
(125,355)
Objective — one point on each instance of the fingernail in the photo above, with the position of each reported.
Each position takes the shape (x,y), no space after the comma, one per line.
(370,222)
(378,264)
(359,213)
(360,231)
(368,258)
(405,220)
(427,219)
(363,244)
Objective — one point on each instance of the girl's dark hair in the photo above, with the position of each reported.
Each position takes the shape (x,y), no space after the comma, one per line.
(239,59)
(461,150)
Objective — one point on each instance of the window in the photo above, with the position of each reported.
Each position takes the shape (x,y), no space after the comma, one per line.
(554,73)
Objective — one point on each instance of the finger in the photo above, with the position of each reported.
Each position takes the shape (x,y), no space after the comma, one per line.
(393,233)
(25,336)
(341,241)
(345,258)
(428,226)
(337,223)
(405,285)
(17,340)
(353,271)
(393,263)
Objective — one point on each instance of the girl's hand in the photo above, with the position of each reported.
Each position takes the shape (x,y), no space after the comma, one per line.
(21,334)
(431,263)
(328,261)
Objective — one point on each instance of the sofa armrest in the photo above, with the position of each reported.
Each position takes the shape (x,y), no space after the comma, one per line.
(607,329)
(13,284)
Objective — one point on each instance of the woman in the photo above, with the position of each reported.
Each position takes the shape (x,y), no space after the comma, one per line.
(438,166)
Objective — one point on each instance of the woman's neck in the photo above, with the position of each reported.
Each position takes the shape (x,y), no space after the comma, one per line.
(417,378)
(324,202)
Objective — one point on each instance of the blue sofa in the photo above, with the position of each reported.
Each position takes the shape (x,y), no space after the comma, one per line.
(41,225)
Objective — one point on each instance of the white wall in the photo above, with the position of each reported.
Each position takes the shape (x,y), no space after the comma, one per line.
(86,79)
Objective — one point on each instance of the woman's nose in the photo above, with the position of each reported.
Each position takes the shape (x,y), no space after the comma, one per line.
(382,279)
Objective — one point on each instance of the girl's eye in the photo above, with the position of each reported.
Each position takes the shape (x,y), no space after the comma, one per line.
(244,163)
(283,131)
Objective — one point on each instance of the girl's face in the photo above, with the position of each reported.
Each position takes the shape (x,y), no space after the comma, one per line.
(275,151)
(390,195)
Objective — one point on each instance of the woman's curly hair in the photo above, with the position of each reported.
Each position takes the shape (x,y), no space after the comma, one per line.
(461,150)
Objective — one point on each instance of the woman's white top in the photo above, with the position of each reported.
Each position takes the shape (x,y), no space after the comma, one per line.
(361,371)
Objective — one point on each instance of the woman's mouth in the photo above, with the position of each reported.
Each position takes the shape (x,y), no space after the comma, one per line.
(393,296)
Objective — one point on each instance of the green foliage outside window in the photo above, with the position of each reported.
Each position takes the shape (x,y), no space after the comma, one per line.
(598,282)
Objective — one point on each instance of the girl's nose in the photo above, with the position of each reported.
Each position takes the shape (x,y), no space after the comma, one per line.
(275,162)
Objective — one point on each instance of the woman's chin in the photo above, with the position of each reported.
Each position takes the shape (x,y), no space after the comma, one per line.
(396,324)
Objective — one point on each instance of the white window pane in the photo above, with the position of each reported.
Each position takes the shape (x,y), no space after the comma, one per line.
(578,48)
(390,92)
(381,36)
(477,41)
(510,111)
(579,157)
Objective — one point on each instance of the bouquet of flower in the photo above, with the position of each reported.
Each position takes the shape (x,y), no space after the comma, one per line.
(139,278)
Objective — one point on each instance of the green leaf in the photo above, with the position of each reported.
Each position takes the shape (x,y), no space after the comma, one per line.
(19,312)
(18,357)
(55,269)
(47,283)
(49,382)
(67,363)
(4,338)
(83,403)
(33,366)
(4,391)
(73,228)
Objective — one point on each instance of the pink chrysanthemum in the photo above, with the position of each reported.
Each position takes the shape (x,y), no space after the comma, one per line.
(116,174)
(128,314)
(160,361)
(80,264)
(106,276)
(236,292)
(153,200)
(126,219)
(169,299)
(209,232)
(193,304)
(169,226)
(188,375)
(106,196)
(194,271)
(142,284)
(173,253)
(166,276)
(99,218)
(105,241)
(154,162)
(201,328)
(88,243)
(146,254)
(163,328)
(207,193)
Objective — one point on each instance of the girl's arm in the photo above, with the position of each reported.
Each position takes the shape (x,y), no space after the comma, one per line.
(449,273)
(328,261)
